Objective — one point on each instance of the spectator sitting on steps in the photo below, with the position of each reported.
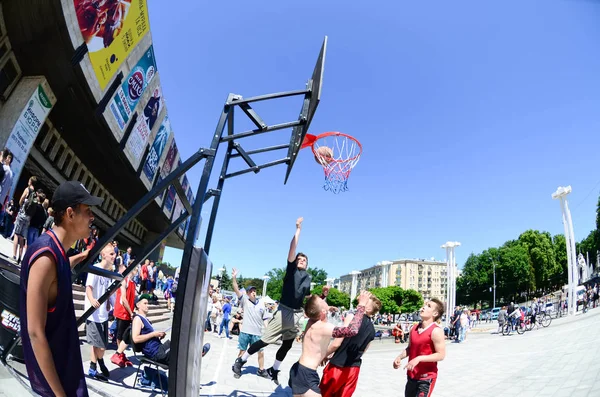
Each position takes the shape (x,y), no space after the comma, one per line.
(142,333)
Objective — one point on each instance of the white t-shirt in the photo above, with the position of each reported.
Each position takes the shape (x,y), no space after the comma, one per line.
(99,286)
(253,316)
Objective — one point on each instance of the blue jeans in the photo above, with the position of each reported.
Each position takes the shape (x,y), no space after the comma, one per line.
(224,323)
(32,234)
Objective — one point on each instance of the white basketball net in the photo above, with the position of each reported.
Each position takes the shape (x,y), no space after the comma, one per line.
(345,152)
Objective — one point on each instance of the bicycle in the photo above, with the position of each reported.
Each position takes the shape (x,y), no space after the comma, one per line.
(544,319)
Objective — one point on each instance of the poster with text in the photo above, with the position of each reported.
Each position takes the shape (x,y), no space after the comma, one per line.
(157,149)
(130,92)
(170,201)
(111,29)
(26,130)
(136,143)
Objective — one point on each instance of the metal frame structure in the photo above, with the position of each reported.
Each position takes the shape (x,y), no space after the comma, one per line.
(195,266)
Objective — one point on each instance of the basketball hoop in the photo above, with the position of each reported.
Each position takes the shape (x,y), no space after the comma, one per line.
(337,153)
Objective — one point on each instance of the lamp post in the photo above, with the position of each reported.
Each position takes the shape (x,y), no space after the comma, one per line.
(494,304)
(385,270)
(265,281)
(561,194)
(354,275)
(451,275)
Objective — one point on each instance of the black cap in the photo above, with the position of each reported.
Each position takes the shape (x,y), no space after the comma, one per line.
(71,193)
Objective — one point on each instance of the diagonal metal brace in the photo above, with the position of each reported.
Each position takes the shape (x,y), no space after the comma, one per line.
(252,115)
(246,157)
(211,193)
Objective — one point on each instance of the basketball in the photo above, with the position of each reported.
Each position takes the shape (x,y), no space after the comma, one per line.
(323,154)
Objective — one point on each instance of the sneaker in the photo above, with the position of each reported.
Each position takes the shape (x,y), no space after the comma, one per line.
(205,349)
(96,375)
(263,373)
(127,362)
(237,367)
(273,375)
(117,359)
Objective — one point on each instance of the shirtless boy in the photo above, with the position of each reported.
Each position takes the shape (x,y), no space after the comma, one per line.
(304,379)
(426,346)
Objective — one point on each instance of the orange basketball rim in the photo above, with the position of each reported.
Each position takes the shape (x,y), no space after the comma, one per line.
(337,153)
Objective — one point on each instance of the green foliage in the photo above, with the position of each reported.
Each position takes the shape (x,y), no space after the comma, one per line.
(318,275)
(226,280)
(275,283)
(335,297)
(254,282)
(396,300)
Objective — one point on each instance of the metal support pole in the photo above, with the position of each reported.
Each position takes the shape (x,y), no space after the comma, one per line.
(494,304)
(266,280)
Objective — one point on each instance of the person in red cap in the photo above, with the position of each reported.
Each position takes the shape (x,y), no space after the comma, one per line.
(48,325)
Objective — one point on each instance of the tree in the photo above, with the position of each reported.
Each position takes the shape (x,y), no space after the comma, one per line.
(411,301)
(541,257)
(319,276)
(225,280)
(275,283)
(254,282)
(335,297)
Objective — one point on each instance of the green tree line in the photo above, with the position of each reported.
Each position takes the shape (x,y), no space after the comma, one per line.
(533,264)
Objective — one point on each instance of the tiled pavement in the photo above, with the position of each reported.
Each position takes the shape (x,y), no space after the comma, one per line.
(561,360)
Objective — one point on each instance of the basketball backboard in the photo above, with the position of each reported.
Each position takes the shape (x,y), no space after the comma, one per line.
(309,107)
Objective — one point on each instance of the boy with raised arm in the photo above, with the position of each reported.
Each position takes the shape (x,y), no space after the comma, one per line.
(426,346)
(286,320)
(304,379)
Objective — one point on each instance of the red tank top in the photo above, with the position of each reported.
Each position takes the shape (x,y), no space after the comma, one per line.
(120,312)
(421,344)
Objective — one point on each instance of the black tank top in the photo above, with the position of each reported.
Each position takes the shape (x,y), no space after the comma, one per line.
(349,354)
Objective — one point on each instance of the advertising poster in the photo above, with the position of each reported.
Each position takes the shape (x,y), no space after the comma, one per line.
(136,144)
(111,29)
(130,92)
(170,201)
(26,129)
(169,160)
(156,151)
(184,182)
(190,196)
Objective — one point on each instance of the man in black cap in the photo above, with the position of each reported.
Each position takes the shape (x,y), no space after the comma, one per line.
(48,325)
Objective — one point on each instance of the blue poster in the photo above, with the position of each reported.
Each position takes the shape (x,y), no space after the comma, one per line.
(130,92)
(160,142)
(170,199)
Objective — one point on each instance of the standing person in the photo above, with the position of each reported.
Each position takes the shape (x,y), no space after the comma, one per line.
(124,304)
(286,321)
(426,346)
(144,277)
(127,256)
(10,212)
(340,376)
(48,325)
(7,180)
(215,313)
(23,218)
(96,327)
(151,279)
(38,217)
(304,379)
(226,317)
(49,221)
(253,324)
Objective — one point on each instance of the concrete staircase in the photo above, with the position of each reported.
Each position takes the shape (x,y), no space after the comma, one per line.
(158,311)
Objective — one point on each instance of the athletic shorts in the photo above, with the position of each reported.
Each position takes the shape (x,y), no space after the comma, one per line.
(97,334)
(245,340)
(419,388)
(22,225)
(285,322)
(339,381)
(303,379)
(122,325)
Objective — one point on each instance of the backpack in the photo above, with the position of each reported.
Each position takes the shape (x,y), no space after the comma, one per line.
(29,206)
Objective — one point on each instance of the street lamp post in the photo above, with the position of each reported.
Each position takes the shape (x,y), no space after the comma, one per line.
(494,305)
(385,270)
(561,194)
(451,276)
(354,275)
(265,281)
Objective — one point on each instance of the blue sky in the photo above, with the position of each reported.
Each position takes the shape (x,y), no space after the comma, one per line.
(470,115)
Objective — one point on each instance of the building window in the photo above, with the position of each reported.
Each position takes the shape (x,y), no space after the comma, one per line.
(67,161)
(9,75)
